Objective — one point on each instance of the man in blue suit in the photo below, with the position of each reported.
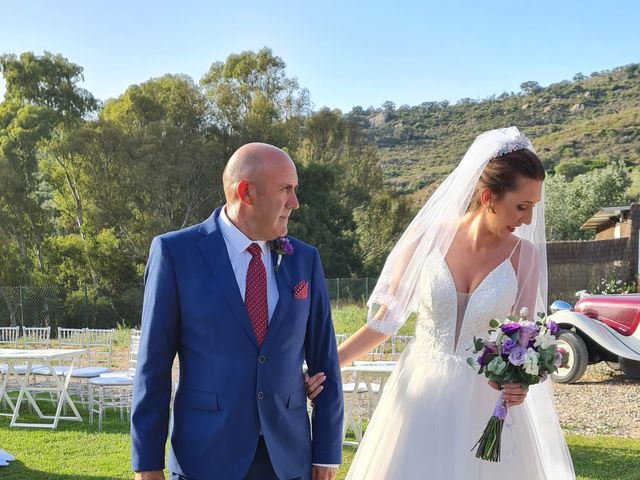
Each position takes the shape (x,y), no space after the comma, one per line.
(243,311)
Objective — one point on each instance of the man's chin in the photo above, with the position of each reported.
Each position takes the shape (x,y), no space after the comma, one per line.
(279,232)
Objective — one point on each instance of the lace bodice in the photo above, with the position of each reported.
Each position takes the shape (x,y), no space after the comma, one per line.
(438,307)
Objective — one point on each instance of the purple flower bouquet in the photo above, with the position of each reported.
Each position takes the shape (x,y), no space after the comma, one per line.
(516,351)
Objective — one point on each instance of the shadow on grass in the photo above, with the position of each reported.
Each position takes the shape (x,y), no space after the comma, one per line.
(598,463)
(17,470)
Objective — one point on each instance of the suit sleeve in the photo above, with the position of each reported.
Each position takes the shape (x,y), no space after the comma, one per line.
(322,356)
(158,345)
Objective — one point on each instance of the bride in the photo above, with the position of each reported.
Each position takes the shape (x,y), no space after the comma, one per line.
(475,251)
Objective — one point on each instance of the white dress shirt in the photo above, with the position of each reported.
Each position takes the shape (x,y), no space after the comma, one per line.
(237,244)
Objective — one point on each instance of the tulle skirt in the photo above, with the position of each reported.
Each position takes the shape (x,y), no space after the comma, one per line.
(433,410)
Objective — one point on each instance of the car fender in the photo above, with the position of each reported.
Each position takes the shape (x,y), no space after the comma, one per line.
(600,333)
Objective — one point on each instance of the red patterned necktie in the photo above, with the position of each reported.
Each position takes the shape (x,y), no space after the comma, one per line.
(255,295)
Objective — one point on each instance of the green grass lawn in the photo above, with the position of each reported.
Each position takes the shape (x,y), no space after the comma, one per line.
(76,451)
(349,318)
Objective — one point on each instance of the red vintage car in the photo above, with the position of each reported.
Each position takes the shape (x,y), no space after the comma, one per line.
(599,328)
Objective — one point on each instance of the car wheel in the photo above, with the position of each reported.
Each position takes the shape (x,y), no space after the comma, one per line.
(630,368)
(578,357)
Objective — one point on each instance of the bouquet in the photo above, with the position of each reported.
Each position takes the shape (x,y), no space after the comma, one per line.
(517,351)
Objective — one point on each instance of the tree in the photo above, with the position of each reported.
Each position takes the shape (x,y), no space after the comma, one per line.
(41,94)
(50,81)
(252,98)
(379,224)
(530,87)
(323,221)
(570,204)
(570,169)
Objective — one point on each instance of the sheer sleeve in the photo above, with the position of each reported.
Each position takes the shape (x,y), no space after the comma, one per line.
(390,305)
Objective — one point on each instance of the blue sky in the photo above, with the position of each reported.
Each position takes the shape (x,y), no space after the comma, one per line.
(345,52)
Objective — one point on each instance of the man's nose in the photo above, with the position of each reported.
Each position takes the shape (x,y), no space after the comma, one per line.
(293,203)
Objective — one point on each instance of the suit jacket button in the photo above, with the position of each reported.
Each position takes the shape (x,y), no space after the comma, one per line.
(260,395)
(262,359)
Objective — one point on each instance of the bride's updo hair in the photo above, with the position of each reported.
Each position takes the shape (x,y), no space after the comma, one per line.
(501,174)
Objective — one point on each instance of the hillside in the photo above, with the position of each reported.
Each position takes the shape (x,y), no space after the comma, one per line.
(575,126)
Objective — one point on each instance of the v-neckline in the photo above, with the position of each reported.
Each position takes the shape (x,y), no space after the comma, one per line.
(456,338)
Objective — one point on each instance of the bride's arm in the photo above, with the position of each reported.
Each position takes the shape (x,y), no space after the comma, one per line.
(359,344)
(354,347)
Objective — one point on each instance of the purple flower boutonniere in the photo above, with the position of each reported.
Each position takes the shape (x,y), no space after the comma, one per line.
(281,246)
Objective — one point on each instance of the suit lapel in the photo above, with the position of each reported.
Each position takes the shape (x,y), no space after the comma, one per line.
(215,253)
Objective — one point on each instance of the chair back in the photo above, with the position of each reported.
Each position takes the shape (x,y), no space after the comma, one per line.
(36,337)
(71,337)
(378,352)
(9,336)
(99,345)
(134,345)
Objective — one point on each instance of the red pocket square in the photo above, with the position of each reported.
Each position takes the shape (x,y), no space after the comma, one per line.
(300,291)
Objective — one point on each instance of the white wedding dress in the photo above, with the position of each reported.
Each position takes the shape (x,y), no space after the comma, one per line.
(435,406)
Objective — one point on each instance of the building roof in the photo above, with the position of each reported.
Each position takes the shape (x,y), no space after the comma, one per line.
(603,216)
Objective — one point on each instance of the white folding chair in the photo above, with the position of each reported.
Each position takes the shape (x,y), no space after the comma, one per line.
(72,338)
(114,389)
(379,352)
(9,336)
(353,408)
(132,361)
(36,337)
(68,338)
(340,338)
(109,392)
(99,345)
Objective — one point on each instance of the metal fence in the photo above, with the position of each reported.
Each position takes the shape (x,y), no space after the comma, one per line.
(572,266)
(578,265)
(52,306)
(350,290)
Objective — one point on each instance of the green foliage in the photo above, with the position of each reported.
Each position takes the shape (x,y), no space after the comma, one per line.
(570,204)
(349,318)
(592,121)
(252,98)
(615,285)
(324,221)
(49,81)
(82,195)
(379,224)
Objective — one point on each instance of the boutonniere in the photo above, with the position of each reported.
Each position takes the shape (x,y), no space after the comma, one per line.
(281,246)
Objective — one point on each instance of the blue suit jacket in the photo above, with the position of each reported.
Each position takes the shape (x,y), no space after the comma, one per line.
(230,389)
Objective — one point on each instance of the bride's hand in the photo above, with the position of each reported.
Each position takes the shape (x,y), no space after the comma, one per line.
(512,393)
(313,385)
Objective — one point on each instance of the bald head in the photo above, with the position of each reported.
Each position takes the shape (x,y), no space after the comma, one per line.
(260,183)
(249,162)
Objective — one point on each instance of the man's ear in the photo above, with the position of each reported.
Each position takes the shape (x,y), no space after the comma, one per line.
(244,191)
